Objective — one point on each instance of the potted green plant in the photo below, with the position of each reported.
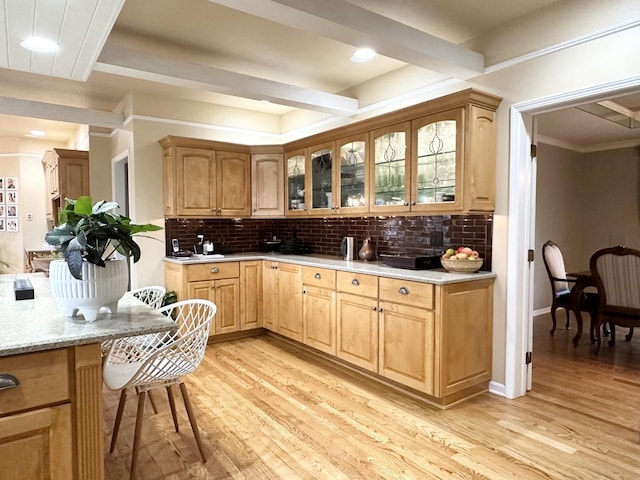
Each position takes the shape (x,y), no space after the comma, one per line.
(89,235)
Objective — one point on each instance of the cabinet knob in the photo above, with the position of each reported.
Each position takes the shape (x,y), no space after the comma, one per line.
(215,270)
(355,282)
(413,203)
(406,204)
(8,381)
(403,291)
(374,308)
(317,276)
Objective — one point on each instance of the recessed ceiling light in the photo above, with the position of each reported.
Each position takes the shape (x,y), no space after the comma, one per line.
(363,55)
(37,133)
(39,44)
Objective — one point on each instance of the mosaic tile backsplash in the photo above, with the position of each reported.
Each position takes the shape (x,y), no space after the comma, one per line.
(392,235)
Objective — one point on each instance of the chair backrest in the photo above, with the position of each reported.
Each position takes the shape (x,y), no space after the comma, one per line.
(167,356)
(616,273)
(151,295)
(554,263)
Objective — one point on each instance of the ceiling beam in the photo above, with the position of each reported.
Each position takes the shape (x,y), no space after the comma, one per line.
(133,63)
(353,25)
(61,113)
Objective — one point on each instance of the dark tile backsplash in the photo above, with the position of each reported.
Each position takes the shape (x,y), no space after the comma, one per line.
(395,235)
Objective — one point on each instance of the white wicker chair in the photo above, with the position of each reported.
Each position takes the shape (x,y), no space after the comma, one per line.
(151,295)
(160,360)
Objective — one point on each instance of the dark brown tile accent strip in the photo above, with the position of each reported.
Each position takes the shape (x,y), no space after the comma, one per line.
(395,235)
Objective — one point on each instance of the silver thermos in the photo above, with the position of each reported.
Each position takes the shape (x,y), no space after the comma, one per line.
(348,248)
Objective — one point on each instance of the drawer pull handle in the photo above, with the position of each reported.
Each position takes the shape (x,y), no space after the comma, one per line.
(355,282)
(317,276)
(215,270)
(403,291)
(8,381)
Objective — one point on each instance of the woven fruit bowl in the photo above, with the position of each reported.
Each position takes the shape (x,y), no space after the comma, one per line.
(461,266)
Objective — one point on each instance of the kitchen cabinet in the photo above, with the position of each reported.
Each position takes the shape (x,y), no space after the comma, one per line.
(51,421)
(267,182)
(351,190)
(250,294)
(357,319)
(283,310)
(296,182)
(217,282)
(66,176)
(320,182)
(319,309)
(204,179)
(407,333)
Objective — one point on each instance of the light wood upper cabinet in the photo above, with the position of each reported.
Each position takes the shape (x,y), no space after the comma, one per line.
(203,178)
(66,176)
(351,178)
(267,184)
(296,178)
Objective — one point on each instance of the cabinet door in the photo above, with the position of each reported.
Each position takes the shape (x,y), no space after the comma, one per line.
(227,299)
(319,324)
(269,295)
(407,345)
(480,160)
(196,181)
(320,179)
(295,168)
(437,172)
(357,332)
(267,184)
(289,297)
(73,177)
(233,184)
(351,191)
(390,168)
(37,445)
(204,291)
(250,295)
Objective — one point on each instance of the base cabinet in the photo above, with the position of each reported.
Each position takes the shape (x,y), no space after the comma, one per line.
(319,309)
(250,295)
(358,330)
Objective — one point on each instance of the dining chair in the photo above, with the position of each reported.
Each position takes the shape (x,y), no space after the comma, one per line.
(562,294)
(151,295)
(160,360)
(616,274)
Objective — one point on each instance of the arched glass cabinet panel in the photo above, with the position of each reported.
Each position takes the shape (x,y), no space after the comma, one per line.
(390,163)
(352,176)
(296,183)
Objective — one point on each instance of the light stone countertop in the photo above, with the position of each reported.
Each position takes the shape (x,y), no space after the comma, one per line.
(438,276)
(39,324)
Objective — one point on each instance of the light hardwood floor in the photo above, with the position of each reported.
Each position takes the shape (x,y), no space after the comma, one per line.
(268,410)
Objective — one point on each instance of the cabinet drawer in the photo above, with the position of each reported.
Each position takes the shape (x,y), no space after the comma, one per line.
(357,284)
(212,271)
(319,277)
(43,379)
(416,294)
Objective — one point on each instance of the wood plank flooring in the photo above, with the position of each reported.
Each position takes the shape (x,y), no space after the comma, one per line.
(268,410)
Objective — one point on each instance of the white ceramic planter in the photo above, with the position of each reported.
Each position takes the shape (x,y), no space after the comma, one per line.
(100,287)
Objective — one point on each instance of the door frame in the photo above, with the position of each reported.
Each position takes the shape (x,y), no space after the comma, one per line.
(521,229)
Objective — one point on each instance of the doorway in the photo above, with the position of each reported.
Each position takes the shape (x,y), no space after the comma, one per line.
(120,185)
(521,228)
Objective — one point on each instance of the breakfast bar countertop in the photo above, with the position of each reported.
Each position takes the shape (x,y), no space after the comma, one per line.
(39,324)
(437,276)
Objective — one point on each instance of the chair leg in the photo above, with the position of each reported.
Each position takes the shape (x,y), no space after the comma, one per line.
(192,419)
(629,335)
(136,437)
(116,425)
(553,319)
(172,404)
(596,347)
(151,401)
(568,324)
(612,338)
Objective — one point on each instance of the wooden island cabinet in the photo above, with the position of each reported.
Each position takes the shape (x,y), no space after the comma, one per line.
(433,338)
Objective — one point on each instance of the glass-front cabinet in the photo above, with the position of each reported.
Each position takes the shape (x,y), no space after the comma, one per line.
(390,168)
(352,190)
(295,169)
(321,178)
(436,171)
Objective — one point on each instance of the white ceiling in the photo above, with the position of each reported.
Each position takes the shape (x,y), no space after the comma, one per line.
(294,53)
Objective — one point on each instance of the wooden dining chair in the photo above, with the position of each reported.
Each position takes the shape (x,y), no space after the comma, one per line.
(562,294)
(160,361)
(616,274)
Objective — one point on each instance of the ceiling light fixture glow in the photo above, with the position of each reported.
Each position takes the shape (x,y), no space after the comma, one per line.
(39,44)
(36,133)
(363,55)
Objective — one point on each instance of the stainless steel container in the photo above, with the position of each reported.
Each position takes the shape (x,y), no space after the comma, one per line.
(348,248)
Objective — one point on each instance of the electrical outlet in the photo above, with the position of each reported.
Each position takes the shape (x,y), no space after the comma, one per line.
(29,217)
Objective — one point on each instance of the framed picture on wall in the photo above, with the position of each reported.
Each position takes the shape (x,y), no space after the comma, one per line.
(11,183)
(11,196)
(1,196)
(12,211)
(2,211)
(1,224)
(1,183)
(12,224)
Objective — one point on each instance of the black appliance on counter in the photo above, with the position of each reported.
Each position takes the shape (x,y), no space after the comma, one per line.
(429,262)
(295,246)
